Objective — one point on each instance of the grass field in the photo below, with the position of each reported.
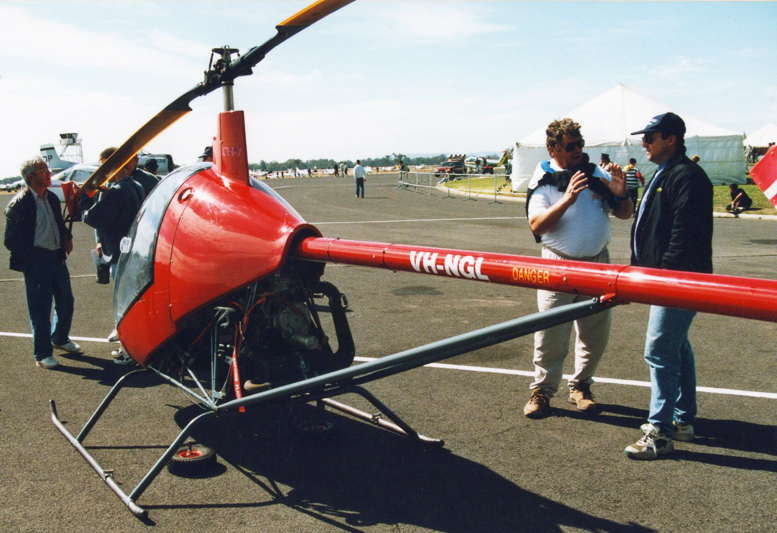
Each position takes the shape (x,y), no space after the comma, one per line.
(721,198)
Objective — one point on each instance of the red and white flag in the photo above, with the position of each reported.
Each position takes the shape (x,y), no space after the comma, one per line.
(764,175)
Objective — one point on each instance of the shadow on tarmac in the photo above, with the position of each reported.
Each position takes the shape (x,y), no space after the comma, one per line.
(723,434)
(356,476)
(103,371)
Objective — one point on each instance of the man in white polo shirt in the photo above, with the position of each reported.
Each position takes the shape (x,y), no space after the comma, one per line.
(568,205)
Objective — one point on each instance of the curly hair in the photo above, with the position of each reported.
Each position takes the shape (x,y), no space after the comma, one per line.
(558,129)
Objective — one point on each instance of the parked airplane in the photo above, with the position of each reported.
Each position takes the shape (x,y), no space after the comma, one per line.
(472,160)
(53,159)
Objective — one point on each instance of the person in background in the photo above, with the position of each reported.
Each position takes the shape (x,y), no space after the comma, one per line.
(740,201)
(568,204)
(39,242)
(634,180)
(207,155)
(672,230)
(151,166)
(360,175)
(111,215)
(605,163)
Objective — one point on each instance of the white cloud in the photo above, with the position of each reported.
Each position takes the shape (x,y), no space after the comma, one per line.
(86,48)
(437,21)
(681,67)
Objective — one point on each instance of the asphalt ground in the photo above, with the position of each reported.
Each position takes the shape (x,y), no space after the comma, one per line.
(498,471)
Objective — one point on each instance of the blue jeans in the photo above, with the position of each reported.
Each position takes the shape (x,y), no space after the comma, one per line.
(47,279)
(672,368)
(360,187)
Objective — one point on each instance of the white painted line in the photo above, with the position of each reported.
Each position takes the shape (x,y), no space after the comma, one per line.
(530,373)
(29,336)
(502,371)
(414,220)
(71,277)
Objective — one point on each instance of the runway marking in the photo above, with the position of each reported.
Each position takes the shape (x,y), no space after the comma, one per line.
(415,220)
(71,277)
(530,373)
(503,371)
(29,336)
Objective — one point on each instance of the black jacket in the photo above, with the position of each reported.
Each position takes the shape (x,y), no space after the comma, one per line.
(20,216)
(675,229)
(113,214)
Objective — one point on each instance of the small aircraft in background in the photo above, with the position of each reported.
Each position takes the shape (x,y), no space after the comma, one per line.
(486,165)
(248,320)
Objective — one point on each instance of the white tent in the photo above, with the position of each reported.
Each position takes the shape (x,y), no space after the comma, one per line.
(606,124)
(762,137)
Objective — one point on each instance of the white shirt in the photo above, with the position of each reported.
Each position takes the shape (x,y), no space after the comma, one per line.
(584,229)
(359,172)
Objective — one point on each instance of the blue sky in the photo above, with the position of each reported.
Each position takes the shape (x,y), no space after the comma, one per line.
(376,77)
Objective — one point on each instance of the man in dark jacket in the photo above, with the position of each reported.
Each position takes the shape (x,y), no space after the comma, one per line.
(112,215)
(672,230)
(113,212)
(39,243)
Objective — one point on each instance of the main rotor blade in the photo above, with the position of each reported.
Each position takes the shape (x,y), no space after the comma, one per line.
(213,80)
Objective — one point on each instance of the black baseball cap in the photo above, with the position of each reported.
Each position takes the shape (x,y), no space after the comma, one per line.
(208,152)
(666,124)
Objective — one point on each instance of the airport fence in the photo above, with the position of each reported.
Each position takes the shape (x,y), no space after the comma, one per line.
(429,183)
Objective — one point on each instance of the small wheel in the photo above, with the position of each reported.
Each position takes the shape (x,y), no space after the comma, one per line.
(191,459)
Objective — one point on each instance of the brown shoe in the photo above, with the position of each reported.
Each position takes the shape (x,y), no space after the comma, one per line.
(581,396)
(538,406)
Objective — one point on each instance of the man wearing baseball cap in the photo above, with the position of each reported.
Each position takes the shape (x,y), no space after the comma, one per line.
(672,230)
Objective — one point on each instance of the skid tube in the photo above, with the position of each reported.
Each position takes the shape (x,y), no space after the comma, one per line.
(347,380)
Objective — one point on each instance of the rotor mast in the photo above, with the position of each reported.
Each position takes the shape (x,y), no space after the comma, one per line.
(228,82)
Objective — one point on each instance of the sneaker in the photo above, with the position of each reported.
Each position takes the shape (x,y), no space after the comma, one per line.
(538,406)
(69,347)
(114,336)
(683,432)
(47,363)
(120,357)
(581,396)
(652,444)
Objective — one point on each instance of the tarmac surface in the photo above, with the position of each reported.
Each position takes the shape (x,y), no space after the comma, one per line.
(498,471)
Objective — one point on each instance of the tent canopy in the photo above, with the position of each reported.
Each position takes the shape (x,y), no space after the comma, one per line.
(762,137)
(606,123)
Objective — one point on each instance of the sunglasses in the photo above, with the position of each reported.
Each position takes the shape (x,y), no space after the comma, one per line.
(648,139)
(575,144)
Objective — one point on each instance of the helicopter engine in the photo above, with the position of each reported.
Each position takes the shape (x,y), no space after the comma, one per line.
(274,332)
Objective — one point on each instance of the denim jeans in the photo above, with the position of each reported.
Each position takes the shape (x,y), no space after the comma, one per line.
(360,187)
(672,368)
(47,279)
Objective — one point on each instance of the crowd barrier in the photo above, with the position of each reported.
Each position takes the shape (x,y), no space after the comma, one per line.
(428,182)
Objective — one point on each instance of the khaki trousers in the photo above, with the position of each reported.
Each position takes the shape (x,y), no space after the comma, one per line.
(552,345)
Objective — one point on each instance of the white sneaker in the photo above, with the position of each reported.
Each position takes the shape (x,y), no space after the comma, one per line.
(47,363)
(651,445)
(114,336)
(120,357)
(69,347)
(682,432)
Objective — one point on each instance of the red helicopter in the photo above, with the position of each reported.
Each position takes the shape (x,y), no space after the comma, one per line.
(219,280)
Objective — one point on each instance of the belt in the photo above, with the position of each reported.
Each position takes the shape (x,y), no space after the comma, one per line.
(590,259)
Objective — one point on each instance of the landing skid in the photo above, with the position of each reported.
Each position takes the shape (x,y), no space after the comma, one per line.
(323,388)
